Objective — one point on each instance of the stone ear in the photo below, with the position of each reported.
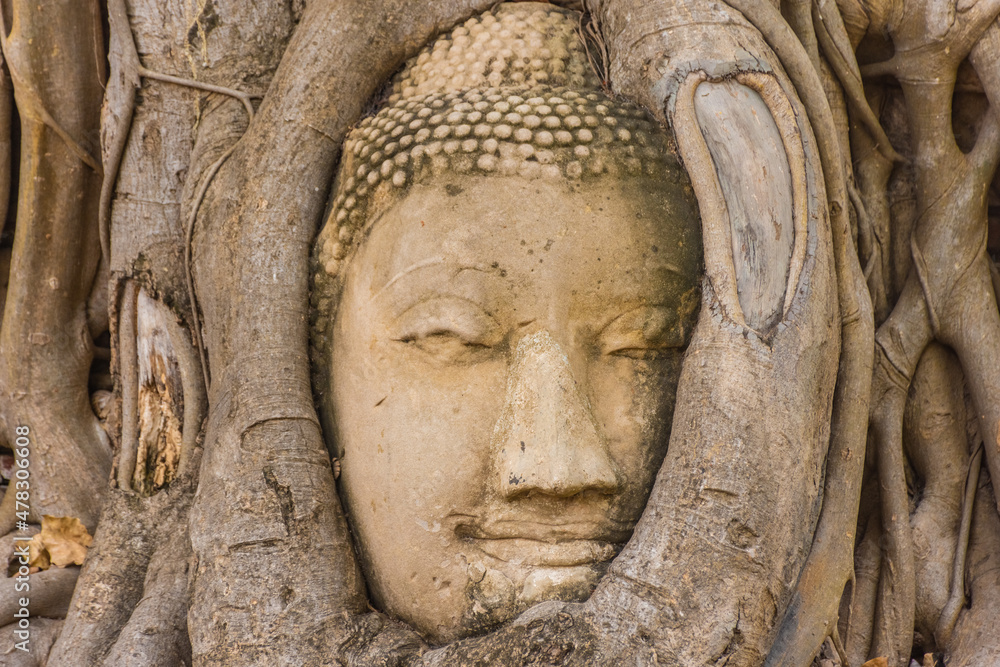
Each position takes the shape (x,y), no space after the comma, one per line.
(742,148)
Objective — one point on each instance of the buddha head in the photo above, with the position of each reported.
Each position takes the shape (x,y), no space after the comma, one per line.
(503,292)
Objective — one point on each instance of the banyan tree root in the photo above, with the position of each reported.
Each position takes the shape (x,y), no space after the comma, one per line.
(948,295)
(830,564)
(935,439)
(274,429)
(133,598)
(128,75)
(895,364)
(126,79)
(858,609)
(973,641)
(872,171)
(44,632)
(956,598)
(46,345)
(6,156)
(50,593)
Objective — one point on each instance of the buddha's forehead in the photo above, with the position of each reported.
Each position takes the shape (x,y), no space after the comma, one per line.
(510,92)
(537,231)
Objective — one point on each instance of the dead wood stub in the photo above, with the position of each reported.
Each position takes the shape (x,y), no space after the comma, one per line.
(160,400)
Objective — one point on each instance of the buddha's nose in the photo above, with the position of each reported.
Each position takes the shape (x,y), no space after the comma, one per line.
(547,440)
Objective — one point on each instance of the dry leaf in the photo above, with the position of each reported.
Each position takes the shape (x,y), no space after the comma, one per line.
(876,662)
(38,556)
(65,539)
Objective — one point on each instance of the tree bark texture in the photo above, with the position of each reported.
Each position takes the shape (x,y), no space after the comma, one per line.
(821,497)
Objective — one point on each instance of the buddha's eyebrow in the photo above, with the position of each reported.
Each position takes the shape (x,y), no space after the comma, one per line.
(423,264)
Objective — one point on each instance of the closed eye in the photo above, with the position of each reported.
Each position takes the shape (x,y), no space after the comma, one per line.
(646,333)
(448,328)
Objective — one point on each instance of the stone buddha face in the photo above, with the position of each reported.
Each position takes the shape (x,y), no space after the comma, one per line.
(503,357)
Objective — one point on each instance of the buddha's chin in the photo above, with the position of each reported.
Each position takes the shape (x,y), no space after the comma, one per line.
(497,595)
(484,582)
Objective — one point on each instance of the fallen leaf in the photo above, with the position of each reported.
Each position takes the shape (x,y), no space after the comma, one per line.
(876,662)
(65,539)
(38,556)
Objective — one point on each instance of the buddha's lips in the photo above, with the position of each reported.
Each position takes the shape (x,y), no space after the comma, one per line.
(531,552)
(539,544)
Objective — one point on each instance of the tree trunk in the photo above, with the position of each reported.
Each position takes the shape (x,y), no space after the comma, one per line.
(821,498)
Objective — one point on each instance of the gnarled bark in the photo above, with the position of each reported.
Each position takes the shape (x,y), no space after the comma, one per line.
(205,213)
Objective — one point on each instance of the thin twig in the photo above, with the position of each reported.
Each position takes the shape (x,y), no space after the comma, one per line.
(245,98)
(589,32)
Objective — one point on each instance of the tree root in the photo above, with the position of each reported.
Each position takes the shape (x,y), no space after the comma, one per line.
(836,46)
(45,344)
(188,261)
(157,627)
(949,615)
(935,441)
(137,564)
(974,642)
(6,137)
(801,634)
(133,71)
(861,607)
(125,56)
(838,647)
(44,632)
(30,105)
(901,341)
(193,393)
(128,375)
(871,172)
(50,593)
(941,291)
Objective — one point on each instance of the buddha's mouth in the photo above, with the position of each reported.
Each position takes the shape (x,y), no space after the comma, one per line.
(545,545)
(571,553)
